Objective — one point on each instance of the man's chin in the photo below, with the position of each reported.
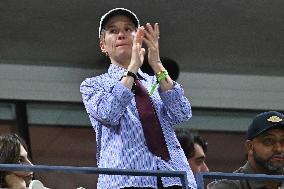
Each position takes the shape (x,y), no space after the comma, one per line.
(276,168)
(123,55)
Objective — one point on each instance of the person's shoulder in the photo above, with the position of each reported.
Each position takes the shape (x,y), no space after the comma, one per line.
(96,79)
(224,184)
(227,184)
(36,184)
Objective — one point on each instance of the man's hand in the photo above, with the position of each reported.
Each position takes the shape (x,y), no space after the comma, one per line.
(152,35)
(138,52)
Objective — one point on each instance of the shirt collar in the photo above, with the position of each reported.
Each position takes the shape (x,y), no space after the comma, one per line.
(115,71)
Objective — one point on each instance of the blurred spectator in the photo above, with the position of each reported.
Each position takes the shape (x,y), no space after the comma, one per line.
(195,149)
(265,153)
(13,150)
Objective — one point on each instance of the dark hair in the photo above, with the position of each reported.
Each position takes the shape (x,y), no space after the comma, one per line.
(199,140)
(187,141)
(10,145)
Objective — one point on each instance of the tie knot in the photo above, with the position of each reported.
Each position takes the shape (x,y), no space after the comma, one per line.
(137,86)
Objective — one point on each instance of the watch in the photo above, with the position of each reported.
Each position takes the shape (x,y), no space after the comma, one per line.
(129,73)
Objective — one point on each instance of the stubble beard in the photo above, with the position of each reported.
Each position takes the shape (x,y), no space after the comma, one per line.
(268,165)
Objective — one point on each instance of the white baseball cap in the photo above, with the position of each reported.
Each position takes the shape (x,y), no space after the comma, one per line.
(117,11)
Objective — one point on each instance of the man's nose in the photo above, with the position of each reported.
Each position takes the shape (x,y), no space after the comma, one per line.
(204,168)
(28,162)
(279,147)
(121,34)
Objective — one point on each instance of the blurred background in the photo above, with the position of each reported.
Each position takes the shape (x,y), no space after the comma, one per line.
(227,54)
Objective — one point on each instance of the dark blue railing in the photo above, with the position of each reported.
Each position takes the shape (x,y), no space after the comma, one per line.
(235,176)
(200,177)
(95,170)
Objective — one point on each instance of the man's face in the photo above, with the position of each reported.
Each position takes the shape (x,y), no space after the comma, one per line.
(118,37)
(267,151)
(197,162)
(23,159)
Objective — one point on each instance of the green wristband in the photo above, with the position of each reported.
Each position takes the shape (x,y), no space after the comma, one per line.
(160,76)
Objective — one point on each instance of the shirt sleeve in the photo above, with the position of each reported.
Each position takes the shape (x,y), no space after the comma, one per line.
(224,184)
(105,101)
(176,107)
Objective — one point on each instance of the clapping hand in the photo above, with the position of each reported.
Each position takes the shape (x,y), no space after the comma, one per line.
(152,35)
(138,52)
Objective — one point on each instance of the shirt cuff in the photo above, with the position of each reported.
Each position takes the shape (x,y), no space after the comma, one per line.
(122,93)
(171,96)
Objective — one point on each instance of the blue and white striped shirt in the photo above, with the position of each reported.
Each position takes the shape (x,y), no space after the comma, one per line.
(119,135)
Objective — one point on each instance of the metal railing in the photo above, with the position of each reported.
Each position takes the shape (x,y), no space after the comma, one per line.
(94,170)
(235,176)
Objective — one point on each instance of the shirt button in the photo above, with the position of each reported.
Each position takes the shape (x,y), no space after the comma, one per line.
(159,158)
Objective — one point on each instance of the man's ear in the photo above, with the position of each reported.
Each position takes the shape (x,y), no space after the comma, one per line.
(249,146)
(102,46)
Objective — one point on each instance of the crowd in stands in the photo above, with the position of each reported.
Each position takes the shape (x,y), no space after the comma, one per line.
(134,114)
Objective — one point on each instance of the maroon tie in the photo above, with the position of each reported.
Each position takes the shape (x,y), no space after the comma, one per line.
(151,126)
